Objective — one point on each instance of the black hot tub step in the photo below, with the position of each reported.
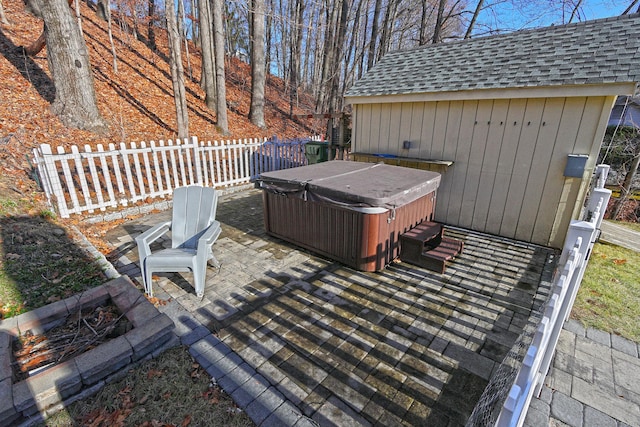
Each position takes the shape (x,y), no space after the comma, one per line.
(436,259)
(425,246)
(425,235)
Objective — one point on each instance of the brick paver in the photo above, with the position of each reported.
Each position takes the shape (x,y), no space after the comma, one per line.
(341,346)
(301,339)
(592,383)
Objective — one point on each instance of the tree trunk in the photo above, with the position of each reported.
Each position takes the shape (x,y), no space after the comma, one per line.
(78,15)
(177,74)
(574,11)
(335,99)
(221,91)
(75,102)
(297,13)
(110,32)
(183,36)
(258,68)
(151,34)
(361,68)
(631,6)
(474,19)
(387,27)
(36,47)
(324,94)
(628,180)
(206,41)
(427,11)
(437,30)
(374,34)
(268,31)
(3,17)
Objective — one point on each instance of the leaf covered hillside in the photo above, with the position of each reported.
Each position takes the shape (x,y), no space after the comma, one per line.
(137,101)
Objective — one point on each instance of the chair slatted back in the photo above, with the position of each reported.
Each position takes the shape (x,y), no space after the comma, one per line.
(194,209)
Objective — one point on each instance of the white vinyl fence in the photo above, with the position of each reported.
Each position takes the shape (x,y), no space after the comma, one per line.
(573,261)
(85,181)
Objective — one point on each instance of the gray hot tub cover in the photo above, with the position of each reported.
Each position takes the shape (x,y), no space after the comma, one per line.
(352,184)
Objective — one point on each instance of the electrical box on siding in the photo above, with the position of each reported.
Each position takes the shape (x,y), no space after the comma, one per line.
(575,165)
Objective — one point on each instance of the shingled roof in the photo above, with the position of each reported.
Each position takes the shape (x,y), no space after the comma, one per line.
(591,52)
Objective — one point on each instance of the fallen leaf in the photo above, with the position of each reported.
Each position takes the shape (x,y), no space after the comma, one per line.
(125,391)
(619,261)
(186,421)
(153,373)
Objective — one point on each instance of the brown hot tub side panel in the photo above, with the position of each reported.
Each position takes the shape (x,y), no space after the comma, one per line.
(364,241)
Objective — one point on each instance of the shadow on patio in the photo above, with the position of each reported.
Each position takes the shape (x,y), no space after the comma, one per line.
(402,346)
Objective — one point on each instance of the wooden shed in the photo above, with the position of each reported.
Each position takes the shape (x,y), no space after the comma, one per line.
(514,122)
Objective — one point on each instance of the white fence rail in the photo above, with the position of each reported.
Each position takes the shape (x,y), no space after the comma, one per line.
(77,182)
(573,261)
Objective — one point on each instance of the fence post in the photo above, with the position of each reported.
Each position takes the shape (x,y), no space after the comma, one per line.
(597,204)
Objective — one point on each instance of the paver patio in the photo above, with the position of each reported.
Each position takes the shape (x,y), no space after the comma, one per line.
(404,346)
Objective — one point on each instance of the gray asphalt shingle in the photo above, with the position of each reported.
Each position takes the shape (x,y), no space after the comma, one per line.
(590,52)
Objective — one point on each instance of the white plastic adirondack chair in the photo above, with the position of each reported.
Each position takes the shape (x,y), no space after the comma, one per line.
(193,232)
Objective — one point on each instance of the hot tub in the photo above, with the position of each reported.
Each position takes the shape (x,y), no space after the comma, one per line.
(351,212)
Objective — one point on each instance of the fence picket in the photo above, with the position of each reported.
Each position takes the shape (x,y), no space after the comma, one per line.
(128,172)
(81,174)
(95,180)
(197,159)
(165,166)
(68,181)
(142,189)
(211,164)
(117,173)
(218,164)
(147,170)
(156,168)
(153,169)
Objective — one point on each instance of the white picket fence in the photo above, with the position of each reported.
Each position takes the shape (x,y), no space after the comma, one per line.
(573,262)
(76,182)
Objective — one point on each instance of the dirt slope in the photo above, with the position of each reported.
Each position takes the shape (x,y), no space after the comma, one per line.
(136,102)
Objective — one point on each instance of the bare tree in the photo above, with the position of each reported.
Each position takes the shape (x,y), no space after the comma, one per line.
(151,34)
(474,19)
(75,102)
(183,36)
(106,11)
(374,34)
(218,42)
(208,81)
(258,68)
(629,144)
(631,6)
(295,46)
(439,22)
(177,73)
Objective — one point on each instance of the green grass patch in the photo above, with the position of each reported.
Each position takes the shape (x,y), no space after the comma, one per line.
(630,225)
(609,297)
(39,264)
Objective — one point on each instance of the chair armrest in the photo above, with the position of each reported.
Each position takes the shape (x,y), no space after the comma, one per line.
(207,239)
(210,236)
(145,239)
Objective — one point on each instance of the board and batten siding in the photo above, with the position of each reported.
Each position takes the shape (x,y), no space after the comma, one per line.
(509,157)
